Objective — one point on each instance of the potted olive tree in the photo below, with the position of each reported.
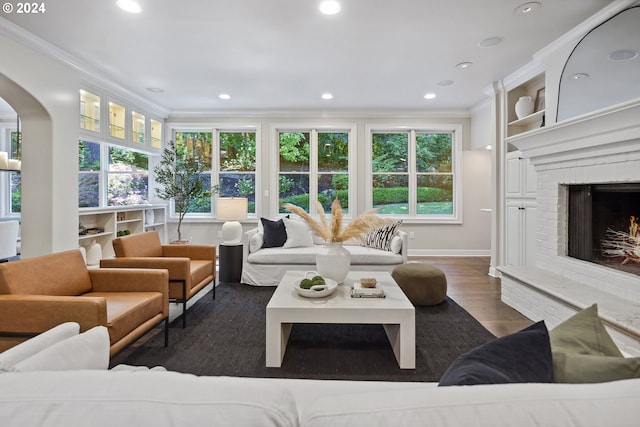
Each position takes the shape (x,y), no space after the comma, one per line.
(179,178)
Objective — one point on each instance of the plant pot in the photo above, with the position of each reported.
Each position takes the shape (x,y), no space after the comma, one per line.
(333,261)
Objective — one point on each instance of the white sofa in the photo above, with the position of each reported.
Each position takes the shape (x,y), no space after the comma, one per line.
(127,398)
(266,266)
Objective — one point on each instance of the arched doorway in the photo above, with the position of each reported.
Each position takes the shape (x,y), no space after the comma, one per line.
(37,220)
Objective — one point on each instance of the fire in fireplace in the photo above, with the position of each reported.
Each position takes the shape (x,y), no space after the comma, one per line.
(604,225)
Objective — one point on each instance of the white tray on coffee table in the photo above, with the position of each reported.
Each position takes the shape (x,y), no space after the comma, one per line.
(395,313)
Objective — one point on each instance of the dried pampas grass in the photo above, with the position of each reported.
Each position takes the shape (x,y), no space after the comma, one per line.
(332,230)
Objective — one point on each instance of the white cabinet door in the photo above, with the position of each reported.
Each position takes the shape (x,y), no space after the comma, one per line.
(530,179)
(514,176)
(520,248)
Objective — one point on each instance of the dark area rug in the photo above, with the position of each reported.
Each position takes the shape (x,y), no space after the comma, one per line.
(226,336)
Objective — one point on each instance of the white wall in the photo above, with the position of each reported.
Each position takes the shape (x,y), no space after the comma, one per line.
(45,95)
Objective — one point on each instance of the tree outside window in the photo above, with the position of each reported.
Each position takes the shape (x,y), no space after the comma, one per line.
(237,177)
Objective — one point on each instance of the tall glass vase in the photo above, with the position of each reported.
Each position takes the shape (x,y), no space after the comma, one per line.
(333,261)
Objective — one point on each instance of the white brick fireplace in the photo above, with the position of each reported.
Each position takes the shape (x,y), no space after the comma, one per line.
(603,147)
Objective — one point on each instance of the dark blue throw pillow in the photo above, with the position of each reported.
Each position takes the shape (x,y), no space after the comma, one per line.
(522,357)
(274,233)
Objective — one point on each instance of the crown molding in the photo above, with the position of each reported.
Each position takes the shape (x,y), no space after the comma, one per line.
(350,114)
(87,72)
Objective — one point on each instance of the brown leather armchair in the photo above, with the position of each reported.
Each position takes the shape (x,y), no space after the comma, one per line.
(191,267)
(39,293)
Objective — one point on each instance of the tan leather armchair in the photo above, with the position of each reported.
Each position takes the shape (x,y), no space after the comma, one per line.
(191,267)
(39,293)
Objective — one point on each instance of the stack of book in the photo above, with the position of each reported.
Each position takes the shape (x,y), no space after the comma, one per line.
(359,291)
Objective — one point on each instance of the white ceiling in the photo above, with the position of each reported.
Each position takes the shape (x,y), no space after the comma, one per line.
(281,55)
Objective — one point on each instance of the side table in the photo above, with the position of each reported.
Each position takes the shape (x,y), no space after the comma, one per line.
(230,263)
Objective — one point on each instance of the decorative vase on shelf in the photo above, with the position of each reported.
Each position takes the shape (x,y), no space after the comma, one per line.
(333,261)
(524,107)
(94,253)
(149,217)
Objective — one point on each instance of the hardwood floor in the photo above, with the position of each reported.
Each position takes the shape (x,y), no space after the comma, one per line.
(469,284)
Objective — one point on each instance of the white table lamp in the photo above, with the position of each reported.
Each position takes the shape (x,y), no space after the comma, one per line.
(232,210)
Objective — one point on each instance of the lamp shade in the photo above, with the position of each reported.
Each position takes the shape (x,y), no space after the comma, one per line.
(232,208)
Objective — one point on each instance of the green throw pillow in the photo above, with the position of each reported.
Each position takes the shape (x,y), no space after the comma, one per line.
(583,333)
(584,352)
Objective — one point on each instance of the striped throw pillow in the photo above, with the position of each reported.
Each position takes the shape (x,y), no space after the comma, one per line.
(380,238)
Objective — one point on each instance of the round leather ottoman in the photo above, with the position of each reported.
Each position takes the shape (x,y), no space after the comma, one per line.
(423,284)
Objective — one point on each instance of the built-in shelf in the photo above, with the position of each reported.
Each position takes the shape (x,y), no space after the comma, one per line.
(531,118)
(10,170)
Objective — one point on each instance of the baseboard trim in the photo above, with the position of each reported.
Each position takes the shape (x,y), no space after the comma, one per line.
(449,252)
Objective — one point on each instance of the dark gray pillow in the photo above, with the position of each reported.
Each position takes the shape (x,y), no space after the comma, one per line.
(275,233)
(522,357)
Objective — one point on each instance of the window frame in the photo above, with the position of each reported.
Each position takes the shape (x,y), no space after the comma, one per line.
(215,171)
(313,129)
(456,169)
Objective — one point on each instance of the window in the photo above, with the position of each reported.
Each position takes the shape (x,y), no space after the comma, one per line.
(89,174)
(237,167)
(413,172)
(125,171)
(137,127)
(128,177)
(14,178)
(196,145)
(313,165)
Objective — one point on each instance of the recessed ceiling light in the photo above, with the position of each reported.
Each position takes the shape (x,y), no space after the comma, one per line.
(330,7)
(155,89)
(430,95)
(464,65)
(579,76)
(129,6)
(445,83)
(326,96)
(623,55)
(527,8)
(491,41)
(224,96)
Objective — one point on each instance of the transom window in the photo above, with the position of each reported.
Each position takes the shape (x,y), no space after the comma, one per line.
(313,165)
(414,172)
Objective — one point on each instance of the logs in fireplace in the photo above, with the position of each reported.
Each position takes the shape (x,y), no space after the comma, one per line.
(604,224)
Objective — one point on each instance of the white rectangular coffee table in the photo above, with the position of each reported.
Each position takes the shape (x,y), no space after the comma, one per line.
(395,313)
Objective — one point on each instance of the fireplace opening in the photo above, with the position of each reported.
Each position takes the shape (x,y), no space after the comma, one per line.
(604,225)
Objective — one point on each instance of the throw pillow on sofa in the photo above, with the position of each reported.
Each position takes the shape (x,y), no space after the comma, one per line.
(522,357)
(381,237)
(274,233)
(584,352)
(298,233)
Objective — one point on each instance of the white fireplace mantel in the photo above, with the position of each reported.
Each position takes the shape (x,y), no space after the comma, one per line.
(609,131)
(600,147)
